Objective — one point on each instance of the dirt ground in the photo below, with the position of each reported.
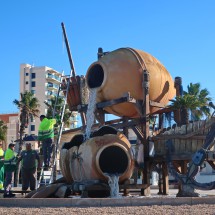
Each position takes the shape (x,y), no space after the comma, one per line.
(145,210)
(200,209)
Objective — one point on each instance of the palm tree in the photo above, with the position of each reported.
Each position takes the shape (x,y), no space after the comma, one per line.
(194,101)
(204,99)
(28,106)
(3,131)
(57,108)
(184,104)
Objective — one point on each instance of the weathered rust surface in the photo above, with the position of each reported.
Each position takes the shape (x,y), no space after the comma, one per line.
(186,139)
(78,92)
(73,97)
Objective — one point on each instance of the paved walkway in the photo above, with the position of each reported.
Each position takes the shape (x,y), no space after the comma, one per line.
(134,199)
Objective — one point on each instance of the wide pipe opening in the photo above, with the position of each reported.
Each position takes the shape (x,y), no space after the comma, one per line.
(113,161)
(95,76)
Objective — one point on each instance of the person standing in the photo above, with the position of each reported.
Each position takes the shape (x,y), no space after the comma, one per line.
(10,161)
(46,136)
(30,161)
(1,167)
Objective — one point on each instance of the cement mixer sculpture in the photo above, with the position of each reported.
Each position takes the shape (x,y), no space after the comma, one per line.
(131,84)
(108,152)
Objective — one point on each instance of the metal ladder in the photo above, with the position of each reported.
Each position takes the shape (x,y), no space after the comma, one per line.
(49,175)
(64,85)
(45,176)
(61,88)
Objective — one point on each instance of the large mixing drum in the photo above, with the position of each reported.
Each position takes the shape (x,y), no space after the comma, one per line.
(106,153)
(121,71)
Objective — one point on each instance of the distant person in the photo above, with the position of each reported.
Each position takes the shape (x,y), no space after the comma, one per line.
(46,136)
(10,161)
(30,161)
(1,167)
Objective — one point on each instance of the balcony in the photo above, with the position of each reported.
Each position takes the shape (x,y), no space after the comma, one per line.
(52,86)
(51,94)
(53,78)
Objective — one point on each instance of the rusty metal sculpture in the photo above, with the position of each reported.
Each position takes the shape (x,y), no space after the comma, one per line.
(131,84)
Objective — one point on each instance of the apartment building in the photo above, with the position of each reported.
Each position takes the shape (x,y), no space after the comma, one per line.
(12,122)
(43,82)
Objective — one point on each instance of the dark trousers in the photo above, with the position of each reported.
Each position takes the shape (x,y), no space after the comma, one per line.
(47,150)
(9,176)
(29,178)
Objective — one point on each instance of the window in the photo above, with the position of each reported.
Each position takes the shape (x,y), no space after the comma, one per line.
(33,75)
(49,101)
(49,84)
(33,84)
(26,74)
(26,82)
(32,127)
(33,92)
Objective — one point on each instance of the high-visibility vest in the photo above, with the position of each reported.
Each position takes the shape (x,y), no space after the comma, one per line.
(10,160)
(1,153)
(9,154)
(46,129)
(1,158)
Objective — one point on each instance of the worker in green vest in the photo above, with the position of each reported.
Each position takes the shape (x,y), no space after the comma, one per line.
(46,136)
(10,161)
(1,167)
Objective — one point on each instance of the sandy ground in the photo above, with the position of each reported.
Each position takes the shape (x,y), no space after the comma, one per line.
(201,209)
(162,210)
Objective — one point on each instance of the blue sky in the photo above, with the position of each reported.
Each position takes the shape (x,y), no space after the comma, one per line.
(180,34)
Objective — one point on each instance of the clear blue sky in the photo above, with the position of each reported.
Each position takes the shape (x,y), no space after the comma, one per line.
(180,34)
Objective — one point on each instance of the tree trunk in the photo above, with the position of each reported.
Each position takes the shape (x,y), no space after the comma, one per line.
(17,172)
(177,116)
(184,116)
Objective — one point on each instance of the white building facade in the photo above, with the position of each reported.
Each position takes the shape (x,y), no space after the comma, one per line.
(43,82)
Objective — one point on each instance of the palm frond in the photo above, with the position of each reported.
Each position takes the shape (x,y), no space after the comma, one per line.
(195,100)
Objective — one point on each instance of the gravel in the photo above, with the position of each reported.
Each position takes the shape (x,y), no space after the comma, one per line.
(201,209)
